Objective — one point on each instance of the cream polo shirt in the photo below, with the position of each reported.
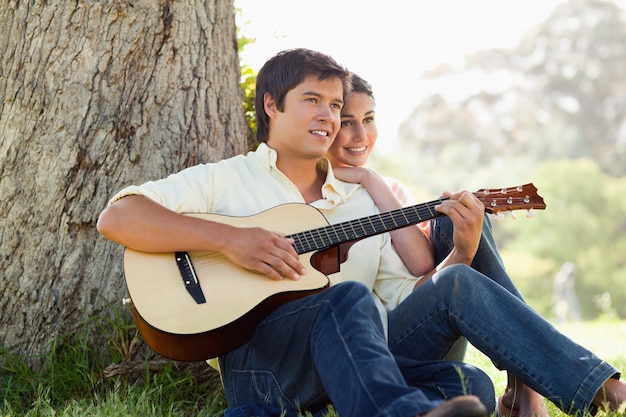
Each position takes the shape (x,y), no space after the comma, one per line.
(245,185)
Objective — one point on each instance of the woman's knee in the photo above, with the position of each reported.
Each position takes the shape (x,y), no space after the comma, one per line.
(453,275)
(462,280)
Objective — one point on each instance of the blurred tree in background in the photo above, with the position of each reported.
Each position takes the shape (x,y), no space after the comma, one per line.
(552,111)
(561,93)
(248,85)
(585,223)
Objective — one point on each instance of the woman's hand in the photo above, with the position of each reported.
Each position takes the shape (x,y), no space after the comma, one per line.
(356,175)
(467,214)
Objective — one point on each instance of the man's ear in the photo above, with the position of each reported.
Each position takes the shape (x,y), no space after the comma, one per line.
(269,104)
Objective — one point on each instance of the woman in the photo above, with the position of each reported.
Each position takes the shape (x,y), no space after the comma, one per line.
(423,257)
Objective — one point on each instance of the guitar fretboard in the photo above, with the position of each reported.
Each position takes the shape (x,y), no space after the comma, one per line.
(332,235)
(494,200)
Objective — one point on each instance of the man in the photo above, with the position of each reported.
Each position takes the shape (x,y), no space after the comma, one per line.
(327,347)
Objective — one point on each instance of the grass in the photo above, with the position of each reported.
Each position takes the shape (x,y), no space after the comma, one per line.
(70,380)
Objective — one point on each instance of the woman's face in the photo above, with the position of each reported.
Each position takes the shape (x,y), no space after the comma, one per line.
(358,133)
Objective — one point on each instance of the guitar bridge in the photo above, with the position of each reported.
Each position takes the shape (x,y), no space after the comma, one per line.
(189,276)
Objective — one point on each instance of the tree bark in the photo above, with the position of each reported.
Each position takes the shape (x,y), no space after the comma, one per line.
(96,95)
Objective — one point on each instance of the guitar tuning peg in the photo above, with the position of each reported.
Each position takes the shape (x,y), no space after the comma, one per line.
(530,213)
(513,215)
(498,217)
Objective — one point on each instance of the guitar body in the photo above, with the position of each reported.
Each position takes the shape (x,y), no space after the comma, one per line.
(177,327)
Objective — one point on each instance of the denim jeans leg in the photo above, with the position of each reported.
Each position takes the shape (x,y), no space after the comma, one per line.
(487,259)
(459,301)
(326,347)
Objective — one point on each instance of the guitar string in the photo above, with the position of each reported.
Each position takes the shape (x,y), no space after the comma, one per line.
(321,238)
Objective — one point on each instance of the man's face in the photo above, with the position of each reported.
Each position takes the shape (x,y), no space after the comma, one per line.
(310,118)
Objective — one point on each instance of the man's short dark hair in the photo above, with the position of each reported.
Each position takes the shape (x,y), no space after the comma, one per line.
(284,72)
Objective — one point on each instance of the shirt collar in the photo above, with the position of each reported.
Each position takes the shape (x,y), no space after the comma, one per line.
(334,191)
(266,156)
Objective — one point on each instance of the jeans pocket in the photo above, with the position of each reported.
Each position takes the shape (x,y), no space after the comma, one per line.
(259,387)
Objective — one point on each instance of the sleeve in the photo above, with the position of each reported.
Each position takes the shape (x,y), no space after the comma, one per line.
(402,193)
(188,191)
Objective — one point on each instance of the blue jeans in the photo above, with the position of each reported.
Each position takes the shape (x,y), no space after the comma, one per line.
(487,261)
(330,348)
(576,395)
(460,301)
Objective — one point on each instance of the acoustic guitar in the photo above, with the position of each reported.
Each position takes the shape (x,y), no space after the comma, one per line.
(192,306)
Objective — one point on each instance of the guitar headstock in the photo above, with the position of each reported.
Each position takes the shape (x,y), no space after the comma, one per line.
(521,197)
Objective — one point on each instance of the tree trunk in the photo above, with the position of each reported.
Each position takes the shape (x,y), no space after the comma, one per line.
(96,95)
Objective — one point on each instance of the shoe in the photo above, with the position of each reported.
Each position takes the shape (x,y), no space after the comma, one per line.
(504,411)
(464,406)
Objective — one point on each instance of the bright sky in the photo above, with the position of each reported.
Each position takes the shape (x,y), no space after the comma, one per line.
(388,42)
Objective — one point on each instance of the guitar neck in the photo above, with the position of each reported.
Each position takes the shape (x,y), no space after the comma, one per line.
(495,200)
(332,235)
